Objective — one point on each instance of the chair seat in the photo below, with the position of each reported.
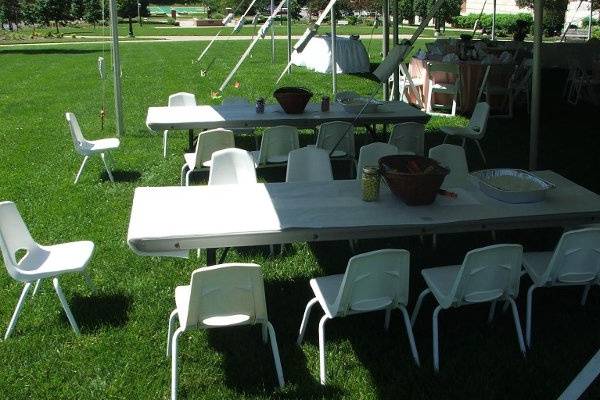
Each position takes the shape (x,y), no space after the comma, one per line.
(336,153)
(190,160)
(535,264)
(457,131)
(440,281)
(326,289)
(274,159)
(449,88)
(54,260)
(104,144)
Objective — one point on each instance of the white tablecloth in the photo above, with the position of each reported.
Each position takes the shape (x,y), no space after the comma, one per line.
(350,54)
(243,215)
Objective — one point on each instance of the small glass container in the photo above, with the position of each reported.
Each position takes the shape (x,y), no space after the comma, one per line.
(325,104)
(260,106)
(370,183)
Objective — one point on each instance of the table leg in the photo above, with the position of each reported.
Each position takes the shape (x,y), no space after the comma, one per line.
(191,140)
(211,257)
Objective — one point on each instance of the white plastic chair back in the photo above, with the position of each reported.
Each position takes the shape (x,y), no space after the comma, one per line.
(452,157)
(82,146)
(478,121)
(210,141)
(487,274)
(370,154)
(231,166)
(182,99)
(225,295)
(309,164)
(576,258)
(331,132)
(374,281)
(409,136)
(278,141)
(14,236)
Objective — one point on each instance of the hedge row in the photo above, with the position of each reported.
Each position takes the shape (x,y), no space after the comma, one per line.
(504,22)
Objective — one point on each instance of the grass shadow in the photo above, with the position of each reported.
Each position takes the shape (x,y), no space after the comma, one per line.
(99,311)
(122,176)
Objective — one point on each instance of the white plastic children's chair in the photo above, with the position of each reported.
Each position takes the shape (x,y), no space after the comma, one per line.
(475,130)
(275,145)
(373,281)
(329,135)
(230,167)
(452,157)
(370,154)
(575,262)
(207,143)
(409,137)
(488,274)
(38,262)
(221,296)
(437,85)
(309,164)
(181,99)
(88,148)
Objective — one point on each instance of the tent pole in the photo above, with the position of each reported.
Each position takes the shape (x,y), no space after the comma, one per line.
(273,34)
(590,21)
(333,59)
(536,80)
(396,40)
(289,32)
(116,61)
(386,42)
(494,22)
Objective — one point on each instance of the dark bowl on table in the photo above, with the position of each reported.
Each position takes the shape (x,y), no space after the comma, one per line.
(293,100)
(415,189)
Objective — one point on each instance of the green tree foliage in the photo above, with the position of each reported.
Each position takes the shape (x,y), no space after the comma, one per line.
(77,9)
(448,10)
(57,11)
(93,11)
(29,13)
(554,14)
(129,9)
(406,9)
(10,12)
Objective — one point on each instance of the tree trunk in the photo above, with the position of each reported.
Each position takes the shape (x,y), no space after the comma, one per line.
(56,22)
(130,27)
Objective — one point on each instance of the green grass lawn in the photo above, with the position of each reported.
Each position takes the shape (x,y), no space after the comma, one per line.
(121,352)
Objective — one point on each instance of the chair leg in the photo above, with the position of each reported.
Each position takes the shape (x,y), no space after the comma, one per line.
(275,351)
(409,333)
(36,287)
(434,241)
(81,168)
(436,344)
(386,322)
(264,333)
(110,175)
(418,306)
(17,312)
(492,311)
(322,347)
(480,151)
(174,363)
(517,325)
(304,322)
(184,168)
(165,135)
(464,141)
(454,105)
(445,139)
(187,177)
(170,331)
(586,290)
(89,281)
(528,315)
(65,305)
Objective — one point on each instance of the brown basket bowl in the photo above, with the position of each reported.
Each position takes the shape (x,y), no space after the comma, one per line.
(293,100)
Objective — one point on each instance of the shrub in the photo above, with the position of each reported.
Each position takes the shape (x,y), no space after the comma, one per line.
(353,20)
(585,22)
(171,21)
(504,22)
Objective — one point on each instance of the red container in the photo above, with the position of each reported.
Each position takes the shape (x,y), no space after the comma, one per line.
(293,100)
(415,189)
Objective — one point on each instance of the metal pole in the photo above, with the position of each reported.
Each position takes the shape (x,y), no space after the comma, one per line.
(396,40)
(272,34)
(139,13)
(494,22)
(333,59)
(386,42)
(590,21)
(116,61)
(536,80)
(289,32)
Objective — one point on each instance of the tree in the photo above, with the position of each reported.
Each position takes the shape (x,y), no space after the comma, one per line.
(30,14)
(10,12)
(54,10)
(77,9)
(406,10)
(129,9)
(448,10)
(93,11)
(554,14)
